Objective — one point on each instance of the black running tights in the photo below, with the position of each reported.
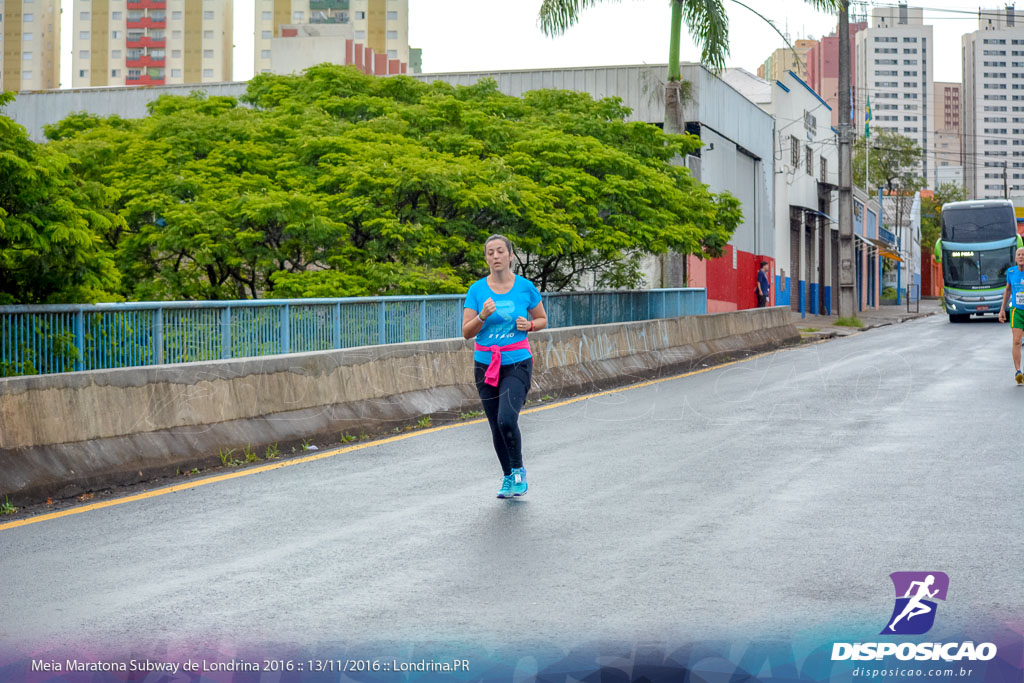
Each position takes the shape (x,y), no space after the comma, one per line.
(502,405)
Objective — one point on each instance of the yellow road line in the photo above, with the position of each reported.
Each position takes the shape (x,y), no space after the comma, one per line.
(349,449)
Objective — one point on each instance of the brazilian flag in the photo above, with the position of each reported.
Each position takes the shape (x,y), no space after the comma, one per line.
(867,118)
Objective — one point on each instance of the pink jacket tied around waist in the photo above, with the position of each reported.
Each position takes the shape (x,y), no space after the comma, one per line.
(494,367)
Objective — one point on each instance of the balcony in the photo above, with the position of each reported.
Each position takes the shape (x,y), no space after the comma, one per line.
(146,41)
(146,61)
(147,22)
(144,80)
(147,4)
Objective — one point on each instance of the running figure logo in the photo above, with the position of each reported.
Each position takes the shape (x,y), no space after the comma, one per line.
(914,612)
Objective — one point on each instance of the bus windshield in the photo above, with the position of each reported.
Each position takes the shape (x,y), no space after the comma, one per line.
(981,224)
(979,269)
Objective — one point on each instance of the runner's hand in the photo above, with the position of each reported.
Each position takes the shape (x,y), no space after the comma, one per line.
(488,309)
(522,324)
(1002,316)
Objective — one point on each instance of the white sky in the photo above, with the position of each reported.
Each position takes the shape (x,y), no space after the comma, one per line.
(478,35)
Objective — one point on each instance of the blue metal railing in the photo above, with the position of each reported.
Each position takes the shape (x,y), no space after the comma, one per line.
(64,338)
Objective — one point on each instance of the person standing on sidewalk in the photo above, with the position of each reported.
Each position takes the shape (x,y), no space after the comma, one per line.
(1014,293)
(763,285)
(501,309)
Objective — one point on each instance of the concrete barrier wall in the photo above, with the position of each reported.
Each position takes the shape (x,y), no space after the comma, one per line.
(64,434)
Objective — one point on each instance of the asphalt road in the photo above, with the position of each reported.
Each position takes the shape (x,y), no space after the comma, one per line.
(770,497)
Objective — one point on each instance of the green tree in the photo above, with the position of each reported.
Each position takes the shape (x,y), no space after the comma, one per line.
(931,212)
(706,21)
(335,183)
(51,225)
(895,161)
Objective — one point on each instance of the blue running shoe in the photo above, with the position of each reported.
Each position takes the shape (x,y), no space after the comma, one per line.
(519,481)
(506,487)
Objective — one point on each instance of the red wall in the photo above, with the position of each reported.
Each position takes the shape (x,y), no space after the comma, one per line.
(729,288)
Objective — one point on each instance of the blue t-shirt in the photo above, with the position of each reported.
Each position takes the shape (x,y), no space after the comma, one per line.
(500,327)
(763,280)
(1015,279)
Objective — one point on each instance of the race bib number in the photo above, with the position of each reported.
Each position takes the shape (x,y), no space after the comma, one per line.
(1018,299)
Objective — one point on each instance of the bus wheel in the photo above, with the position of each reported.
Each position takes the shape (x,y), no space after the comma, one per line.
(959,317)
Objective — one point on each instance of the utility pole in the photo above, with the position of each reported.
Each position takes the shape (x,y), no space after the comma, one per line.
(846,277)
(1006,188)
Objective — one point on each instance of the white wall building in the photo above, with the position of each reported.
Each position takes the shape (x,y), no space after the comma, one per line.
(382,25)
(894,67)
(151,42)
(993,105)
(805,237)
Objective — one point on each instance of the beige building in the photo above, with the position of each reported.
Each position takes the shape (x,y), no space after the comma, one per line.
(785,59)
(895,58)
(946,108)
(992,121)
(29,44)
(382,25)
(151,42)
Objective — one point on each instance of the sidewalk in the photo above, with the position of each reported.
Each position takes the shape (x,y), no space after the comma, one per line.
(814,327)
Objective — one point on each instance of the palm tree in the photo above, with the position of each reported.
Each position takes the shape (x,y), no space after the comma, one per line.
(707,22)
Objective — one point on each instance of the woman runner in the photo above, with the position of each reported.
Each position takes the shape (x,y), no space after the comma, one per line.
(496,314)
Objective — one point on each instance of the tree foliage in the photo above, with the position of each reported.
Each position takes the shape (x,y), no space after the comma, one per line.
(894,162)
(931,212)
(338,183)
(51,225)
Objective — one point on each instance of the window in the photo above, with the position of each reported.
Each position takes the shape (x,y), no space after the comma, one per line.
(392,35)
(175,73)
(268,16)
(207,73)
(360,35)
(360,15)
(116,16)
(887,73)
(176,34)
(134,73)
(298,16)
(83,54)
(824,169)
(176,15)
(909,62)
(264,54)
(115,54)
(909,74)
(116,35)
(207,14)
(115,73)
(26,37)
(175,54)
(267,35)
(794,151)
(885,61)
(84,16)
(810,160)
(879,39)
(26,56)
(911,40)
(82,73)
(26,75)
(207,54)
(27,18)
(392,54)
(83,35)
(392,15)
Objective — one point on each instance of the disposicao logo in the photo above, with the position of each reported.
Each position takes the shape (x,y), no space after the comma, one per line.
(914,614)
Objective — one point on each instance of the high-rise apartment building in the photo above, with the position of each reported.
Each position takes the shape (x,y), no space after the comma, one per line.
(894,68)
(946,108)
(992,121)
(785,59)
(29,44)
(381,25)
(823,67)
(151,42)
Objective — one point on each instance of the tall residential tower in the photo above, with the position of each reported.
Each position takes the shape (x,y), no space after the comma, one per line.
(29,44)
(894,68)
(151,42)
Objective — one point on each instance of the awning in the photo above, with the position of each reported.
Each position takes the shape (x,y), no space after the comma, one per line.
(813,212)
(884,248)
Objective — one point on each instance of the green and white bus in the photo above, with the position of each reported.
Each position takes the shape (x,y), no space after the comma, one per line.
(976,247)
